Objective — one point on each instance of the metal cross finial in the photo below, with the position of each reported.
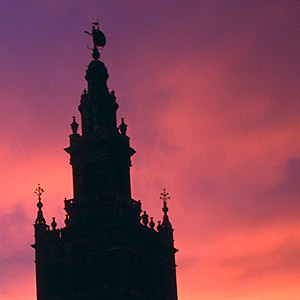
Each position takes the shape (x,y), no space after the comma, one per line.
(39,191)
(165,196)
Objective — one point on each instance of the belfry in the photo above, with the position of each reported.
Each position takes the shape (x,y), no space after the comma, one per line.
(109,248)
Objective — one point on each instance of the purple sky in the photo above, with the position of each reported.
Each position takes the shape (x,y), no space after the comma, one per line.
(210,92)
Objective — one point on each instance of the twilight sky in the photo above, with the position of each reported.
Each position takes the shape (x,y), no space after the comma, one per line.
(210,91)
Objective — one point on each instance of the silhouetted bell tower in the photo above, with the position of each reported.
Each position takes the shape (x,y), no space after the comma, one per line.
(109,249)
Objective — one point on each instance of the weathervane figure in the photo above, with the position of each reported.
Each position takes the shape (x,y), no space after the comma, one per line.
(99,39)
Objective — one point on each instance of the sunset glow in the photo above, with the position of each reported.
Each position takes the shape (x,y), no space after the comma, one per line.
(210,91)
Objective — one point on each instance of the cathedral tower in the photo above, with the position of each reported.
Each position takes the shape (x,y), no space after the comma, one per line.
(109,249)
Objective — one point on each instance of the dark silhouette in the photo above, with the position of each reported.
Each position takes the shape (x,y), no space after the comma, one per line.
(107,250)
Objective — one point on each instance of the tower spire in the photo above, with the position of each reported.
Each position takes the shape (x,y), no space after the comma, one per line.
(98,105)
(165,196)
(40,218)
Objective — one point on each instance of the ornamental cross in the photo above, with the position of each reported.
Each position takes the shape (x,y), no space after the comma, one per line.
(165,196)
(39,191)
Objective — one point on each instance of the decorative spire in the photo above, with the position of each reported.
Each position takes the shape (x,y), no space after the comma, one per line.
(165,196)
(151,224)
(67,220)
(145,218)
(40,218)
(123,127)
(99,39)
(159,226)
(74,126)
(53,224)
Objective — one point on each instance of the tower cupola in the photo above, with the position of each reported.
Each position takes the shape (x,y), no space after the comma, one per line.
(97,106)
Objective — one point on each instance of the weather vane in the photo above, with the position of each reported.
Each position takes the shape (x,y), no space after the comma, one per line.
(99,39)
